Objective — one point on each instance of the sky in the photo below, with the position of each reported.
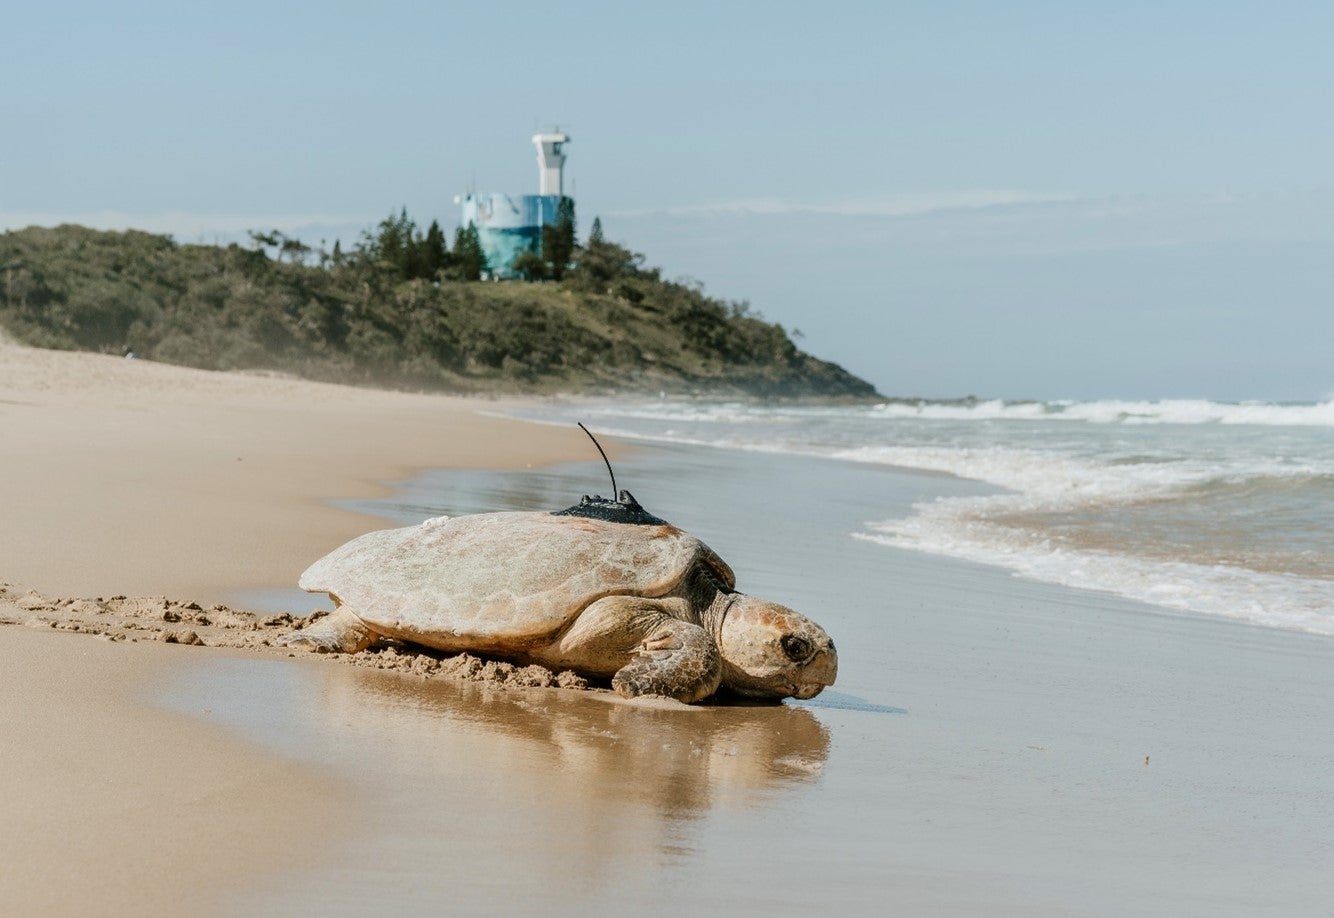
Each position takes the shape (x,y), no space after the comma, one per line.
(1016,200)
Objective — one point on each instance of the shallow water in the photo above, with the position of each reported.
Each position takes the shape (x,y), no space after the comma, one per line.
(1224,510)
(993,745)
(754,510)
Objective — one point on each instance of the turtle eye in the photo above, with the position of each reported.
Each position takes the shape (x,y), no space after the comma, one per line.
(796,647)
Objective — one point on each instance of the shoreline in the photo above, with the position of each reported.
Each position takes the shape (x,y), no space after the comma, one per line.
(993,745)
(1085,505)
(129,477)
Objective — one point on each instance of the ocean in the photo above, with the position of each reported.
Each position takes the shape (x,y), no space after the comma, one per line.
(1192,506)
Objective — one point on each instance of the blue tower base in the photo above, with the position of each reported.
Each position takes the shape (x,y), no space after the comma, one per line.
(508,225)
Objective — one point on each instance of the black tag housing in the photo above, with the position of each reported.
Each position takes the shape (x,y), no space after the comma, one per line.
(623,510)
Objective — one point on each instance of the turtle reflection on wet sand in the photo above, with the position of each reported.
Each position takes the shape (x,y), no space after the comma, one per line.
(603,588)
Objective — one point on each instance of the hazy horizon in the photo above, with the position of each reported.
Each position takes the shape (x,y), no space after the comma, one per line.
(1028,202)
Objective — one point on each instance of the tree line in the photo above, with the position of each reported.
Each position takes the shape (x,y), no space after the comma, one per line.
(400,246)
(399,308)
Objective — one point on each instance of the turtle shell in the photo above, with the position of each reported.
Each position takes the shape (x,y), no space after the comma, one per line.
(502,581)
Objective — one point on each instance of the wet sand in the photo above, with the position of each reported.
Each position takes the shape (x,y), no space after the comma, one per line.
(114,806)
(992,746)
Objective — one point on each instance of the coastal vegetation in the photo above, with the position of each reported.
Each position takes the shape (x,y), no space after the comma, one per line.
(401,308)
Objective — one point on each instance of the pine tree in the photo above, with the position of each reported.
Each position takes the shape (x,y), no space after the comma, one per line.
(530,266)
(558,239)
(600,262)
(392,246)
(264,240)
(435,255)
(469,258)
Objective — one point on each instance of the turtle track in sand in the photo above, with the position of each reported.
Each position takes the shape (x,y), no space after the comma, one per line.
(171,621)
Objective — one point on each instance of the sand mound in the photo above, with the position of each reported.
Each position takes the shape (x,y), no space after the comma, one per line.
(171,621)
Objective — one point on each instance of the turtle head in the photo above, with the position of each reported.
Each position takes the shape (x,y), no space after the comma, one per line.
(770,651)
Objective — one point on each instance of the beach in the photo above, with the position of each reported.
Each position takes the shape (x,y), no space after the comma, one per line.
(126,477)
(993,745)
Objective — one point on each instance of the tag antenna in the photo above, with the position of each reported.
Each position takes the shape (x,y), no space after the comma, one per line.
(614,492)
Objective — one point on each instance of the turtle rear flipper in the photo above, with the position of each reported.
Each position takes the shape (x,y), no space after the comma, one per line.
(341,632)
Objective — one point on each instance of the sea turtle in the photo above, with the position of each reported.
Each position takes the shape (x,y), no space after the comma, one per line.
(604,589)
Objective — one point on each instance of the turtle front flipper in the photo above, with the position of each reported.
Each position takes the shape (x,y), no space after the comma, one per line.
(676,659)
(341,632)
(646,645)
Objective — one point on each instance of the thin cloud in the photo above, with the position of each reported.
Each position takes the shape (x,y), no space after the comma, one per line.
(897,205)
(189,226)
(1008,224)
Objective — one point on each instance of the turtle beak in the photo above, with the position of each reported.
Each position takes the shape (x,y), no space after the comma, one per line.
(820,672)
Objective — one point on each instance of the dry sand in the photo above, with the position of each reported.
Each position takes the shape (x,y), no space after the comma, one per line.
(123,477)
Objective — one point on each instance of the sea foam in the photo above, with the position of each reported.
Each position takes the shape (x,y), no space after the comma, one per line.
(1085,460)
(1271,600)
(1170,411)
(981,529)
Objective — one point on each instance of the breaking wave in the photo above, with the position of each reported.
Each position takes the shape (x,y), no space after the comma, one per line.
(1170,411)
(1224,509)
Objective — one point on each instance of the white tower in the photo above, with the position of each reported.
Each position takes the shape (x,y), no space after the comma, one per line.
(550,162)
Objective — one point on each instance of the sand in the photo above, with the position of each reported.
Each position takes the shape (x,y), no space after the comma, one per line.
(112,806)
(173,621)
(124,478)
(992,747)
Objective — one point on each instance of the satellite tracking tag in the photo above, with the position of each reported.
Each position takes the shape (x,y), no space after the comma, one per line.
(623,509)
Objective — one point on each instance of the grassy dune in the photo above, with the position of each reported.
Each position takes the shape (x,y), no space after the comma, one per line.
(609,325)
